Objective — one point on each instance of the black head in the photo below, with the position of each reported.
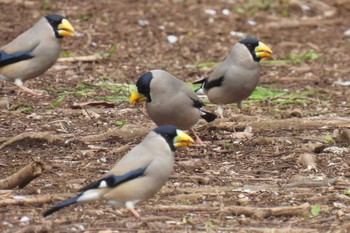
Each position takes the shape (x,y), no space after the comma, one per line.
(168,132)
(251,44)
(144,85)
(54,21)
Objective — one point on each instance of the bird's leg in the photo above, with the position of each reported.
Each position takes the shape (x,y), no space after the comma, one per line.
(134,212)
(198,140)
(220,111)
(19,83)
(240,105)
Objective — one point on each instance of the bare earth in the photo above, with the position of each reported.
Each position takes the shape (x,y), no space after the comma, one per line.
(248,178)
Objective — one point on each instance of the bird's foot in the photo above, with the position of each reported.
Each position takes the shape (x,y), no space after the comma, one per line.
(31,92)
(197,139)
(220,111)
(134,212)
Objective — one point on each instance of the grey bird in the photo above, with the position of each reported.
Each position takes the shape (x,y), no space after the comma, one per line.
(34,51)
(237,76)
(170,101)
(139,175)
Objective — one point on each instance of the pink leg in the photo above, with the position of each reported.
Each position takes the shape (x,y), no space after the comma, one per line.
(198,140)
(19,83)
(134,212)
(29,91)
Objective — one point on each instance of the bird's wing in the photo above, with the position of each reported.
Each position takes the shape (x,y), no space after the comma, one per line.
(7,59)
(214,83)
(112,180)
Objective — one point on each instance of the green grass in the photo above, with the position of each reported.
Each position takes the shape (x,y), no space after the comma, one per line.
(251,7)
(23,108)
(315,210)
(295,58)
(279,96)
(109,92)
(282,97)
(112,92)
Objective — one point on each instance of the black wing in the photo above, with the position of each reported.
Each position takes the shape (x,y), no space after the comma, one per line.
(213,83)
(7,59)
(111,181)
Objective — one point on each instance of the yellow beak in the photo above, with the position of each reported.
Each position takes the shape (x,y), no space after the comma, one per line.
(263,51)
(136,98)
(65,28)
(182,139)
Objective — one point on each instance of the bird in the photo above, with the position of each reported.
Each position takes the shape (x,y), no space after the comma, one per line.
(34,51)
(170,101)
(237,76)
(137,176)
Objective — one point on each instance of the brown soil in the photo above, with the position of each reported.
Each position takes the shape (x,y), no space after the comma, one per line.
(253,158)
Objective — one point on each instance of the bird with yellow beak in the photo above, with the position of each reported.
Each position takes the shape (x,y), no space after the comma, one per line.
(235,79)
(34,51)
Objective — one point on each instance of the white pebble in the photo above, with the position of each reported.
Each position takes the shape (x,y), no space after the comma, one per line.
(143,22)
(172,39)
(103,160)
(210,11)
(347,32)
(238,34)
(25,219)
(342,83)
(336,150)
(226,12)
(305,7)
(251,22)
(18,197)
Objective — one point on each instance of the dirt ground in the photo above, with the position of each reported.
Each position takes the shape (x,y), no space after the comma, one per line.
(250,176)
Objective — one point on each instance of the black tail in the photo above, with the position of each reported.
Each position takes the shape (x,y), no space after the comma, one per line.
(61,205)
(202,81)
(209,117)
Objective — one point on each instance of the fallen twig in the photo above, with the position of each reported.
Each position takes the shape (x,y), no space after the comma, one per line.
(88,58)
(288,211)
(190,208)
(36,228)
(30,135)
(23,176)
(307,183)
(34,199)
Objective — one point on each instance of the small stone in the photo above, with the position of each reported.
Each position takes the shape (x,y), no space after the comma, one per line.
(226,11)
(4,103)
(347,32)
(251,22)
(210,11)
(25,219)
(143,22)
(172,39)
(296,113)
(307,161)
(238,34)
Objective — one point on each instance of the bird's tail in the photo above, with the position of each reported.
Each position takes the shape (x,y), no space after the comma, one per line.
(200,91)
(61,205)
(88,195)
(209,117)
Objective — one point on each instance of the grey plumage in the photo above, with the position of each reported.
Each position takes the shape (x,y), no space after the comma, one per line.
(139,175)
(237,76)
(34,51)
(169,100)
